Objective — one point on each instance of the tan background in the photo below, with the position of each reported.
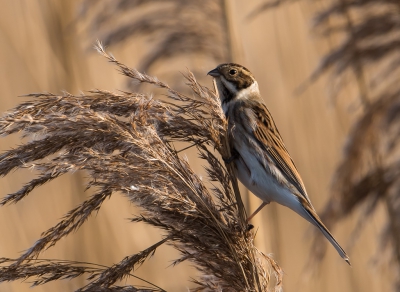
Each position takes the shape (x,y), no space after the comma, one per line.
(42,50)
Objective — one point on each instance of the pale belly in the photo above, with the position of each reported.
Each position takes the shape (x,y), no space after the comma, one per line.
(264,185)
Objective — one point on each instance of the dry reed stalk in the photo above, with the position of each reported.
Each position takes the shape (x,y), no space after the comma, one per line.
(125,143)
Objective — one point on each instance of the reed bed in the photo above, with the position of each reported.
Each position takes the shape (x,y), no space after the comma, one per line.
(367,56)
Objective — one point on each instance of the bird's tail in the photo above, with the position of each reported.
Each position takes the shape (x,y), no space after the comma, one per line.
(314,218)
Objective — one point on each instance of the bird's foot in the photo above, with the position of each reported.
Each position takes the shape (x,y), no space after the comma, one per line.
(258,210)
(234,156)
(240,228)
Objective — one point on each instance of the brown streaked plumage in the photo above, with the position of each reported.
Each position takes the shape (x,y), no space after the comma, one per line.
(263,163)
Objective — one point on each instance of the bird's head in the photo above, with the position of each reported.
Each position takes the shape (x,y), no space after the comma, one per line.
(233,82)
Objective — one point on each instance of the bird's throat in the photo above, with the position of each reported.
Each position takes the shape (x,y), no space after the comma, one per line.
(225,92)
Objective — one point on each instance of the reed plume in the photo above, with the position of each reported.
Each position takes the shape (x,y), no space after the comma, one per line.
(125,142)
(172,28)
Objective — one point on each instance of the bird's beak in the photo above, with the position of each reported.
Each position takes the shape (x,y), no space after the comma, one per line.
(214,73)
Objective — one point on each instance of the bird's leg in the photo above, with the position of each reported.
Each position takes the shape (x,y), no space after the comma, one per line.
(234,156)
(258,210)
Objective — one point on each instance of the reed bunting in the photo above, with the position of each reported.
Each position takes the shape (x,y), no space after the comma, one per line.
(263,163)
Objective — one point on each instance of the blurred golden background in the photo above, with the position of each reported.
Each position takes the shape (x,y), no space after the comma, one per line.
(46,45)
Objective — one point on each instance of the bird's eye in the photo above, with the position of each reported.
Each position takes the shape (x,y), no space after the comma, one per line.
(232,72)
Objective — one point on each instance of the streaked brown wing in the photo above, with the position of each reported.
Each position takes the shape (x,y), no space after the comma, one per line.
(269,138)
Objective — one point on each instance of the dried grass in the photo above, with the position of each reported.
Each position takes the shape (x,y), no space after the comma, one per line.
(125,144)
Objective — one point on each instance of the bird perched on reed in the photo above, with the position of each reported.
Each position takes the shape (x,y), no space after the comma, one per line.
(262,161)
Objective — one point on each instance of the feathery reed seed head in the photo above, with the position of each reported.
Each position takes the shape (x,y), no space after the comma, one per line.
(125,143)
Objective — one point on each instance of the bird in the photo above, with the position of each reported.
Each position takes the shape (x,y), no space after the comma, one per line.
(263,163)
